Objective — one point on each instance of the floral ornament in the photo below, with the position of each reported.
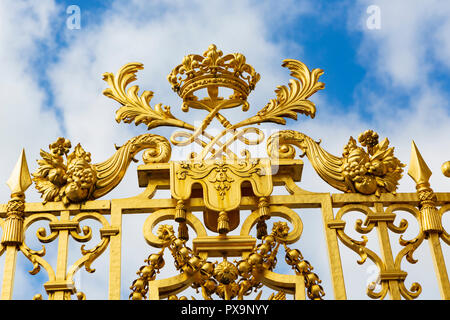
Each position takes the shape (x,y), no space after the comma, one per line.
(70,181)
(222,182)
(72,178)
(165,232)
(373,171)
(280,229)
(368,138)
(60,147)
(226,272)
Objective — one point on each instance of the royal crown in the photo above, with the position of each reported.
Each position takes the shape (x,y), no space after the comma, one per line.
(212,69)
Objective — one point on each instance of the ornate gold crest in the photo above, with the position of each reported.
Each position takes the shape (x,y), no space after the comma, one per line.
(220,184)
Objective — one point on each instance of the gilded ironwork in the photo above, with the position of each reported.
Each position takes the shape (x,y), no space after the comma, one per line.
(212,71)
(221,182)
(212,188)
(226,279)
(76,180)
(368,172)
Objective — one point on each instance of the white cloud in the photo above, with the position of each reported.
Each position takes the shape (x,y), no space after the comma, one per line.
(404,56)
(25,27)
(401,55)
(25,30)
(402,51)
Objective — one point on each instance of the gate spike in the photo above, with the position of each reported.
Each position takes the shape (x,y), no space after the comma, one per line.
(20,179)
(418,169)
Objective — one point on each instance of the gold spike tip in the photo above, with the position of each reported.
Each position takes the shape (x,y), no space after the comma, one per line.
(418,169)
(20,178)
(446,168)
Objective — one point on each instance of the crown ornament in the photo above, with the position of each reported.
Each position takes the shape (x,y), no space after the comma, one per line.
(211,71)
(368,172)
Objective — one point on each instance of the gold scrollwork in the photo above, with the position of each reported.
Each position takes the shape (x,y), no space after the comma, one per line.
(164,215)
(409,248)
(34,256)
(89,255)
(56,225)
(277,211)
(358,246)
(361,249)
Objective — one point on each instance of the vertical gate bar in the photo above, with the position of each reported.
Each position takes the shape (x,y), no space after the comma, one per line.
(439,265)
(9,272)
(300,290)
(115,253)
(13,232)
(334,256)
(386,252)
(61,263)
(430,219)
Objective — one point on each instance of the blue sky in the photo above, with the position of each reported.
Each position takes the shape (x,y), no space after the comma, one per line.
(327,41)
(393,80)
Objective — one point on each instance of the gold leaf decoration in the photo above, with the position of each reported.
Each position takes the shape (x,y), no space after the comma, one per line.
(134,107)
(293,99)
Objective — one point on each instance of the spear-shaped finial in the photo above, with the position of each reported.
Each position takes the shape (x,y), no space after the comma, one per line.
(430,220)
(418,169)
(18,182)
(20,179)
(13,231)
